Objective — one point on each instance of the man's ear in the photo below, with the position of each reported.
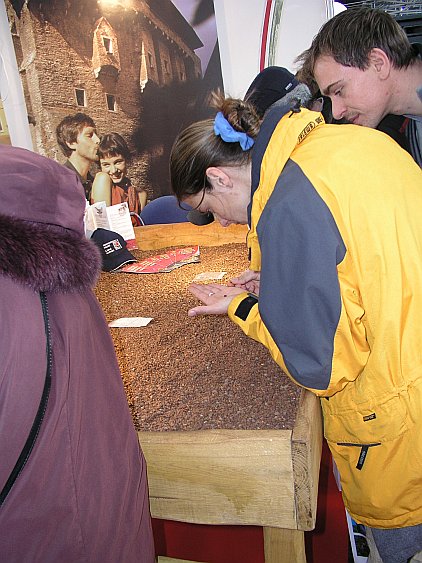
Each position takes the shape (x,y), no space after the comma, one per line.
(379,60)
(218,178)
(72,146)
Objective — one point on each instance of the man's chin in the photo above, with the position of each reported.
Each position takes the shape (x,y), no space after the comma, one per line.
(342,121)
(354,120)
(363,121)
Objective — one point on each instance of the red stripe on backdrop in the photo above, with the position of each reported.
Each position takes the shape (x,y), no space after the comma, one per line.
(245,544)
(264,37)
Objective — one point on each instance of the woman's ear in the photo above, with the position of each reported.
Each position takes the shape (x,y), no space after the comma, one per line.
(218,178)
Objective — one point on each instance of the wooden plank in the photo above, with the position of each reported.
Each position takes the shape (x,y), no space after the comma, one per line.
(162,559)
(284,546)
(221,476)
(260,477)
(153,237)
(306,456)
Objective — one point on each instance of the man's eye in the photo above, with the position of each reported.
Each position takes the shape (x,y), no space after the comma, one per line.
(338,92)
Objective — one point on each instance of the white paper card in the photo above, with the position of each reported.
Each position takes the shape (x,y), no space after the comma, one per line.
(129,322)
(204,276)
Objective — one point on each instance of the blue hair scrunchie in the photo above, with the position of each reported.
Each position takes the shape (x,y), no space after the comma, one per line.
(223,128)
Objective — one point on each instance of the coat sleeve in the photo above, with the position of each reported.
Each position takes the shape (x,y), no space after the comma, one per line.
(300,315)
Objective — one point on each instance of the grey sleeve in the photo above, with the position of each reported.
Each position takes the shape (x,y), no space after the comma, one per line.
(299,299)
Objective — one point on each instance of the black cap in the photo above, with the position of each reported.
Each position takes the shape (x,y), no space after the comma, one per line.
(113,249)
(270,85)
(198,218)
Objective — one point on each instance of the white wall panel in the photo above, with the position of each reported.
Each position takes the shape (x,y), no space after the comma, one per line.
(240,23)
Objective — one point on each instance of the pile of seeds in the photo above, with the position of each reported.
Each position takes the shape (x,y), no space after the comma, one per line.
(183,373)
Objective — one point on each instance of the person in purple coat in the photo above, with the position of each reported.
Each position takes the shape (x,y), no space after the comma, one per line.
(73,479)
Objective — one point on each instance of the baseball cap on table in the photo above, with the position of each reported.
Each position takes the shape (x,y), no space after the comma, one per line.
(270,85)
(113,249)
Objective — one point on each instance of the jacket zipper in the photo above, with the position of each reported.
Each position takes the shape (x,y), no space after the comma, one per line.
(36,425)
(363,452)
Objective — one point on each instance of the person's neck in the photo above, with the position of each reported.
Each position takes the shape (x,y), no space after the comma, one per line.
(81,164)
(405,100)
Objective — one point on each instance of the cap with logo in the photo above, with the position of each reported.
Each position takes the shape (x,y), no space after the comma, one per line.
(269,86)
(113,249)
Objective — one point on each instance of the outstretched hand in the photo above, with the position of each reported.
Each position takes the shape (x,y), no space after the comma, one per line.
(216,298)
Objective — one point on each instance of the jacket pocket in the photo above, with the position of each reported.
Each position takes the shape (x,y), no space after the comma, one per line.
(364,423)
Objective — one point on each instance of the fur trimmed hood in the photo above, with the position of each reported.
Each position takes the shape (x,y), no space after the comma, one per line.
(47,257)
(42,239)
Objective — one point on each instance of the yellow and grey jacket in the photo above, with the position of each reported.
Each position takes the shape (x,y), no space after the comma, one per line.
(336,233)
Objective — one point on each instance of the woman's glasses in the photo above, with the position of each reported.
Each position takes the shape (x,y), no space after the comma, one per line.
(194,215)
(189,208)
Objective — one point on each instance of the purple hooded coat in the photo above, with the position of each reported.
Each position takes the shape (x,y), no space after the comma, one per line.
(82,495)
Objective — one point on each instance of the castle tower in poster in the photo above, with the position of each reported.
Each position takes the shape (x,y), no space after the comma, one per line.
(125,63)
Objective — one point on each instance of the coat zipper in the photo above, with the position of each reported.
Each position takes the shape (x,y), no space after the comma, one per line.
(36,425)
(363,451)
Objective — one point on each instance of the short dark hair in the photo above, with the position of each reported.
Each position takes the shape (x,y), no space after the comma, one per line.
(113,144)
(68,129)
(350,36)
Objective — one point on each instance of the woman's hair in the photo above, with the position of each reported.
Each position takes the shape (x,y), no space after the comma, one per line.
(198,147)
(113,144)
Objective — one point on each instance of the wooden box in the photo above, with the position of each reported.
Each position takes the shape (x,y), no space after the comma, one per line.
(256,477)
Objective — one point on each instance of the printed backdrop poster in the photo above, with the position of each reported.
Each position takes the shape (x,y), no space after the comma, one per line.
(140,68)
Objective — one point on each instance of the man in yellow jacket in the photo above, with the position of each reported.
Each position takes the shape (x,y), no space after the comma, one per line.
(335,286)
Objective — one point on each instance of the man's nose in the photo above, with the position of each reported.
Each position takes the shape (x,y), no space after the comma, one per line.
(338,107)
(95,138)
(112,168)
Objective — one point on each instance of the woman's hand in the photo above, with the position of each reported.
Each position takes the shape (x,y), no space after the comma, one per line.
(216,297)
(248,281)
